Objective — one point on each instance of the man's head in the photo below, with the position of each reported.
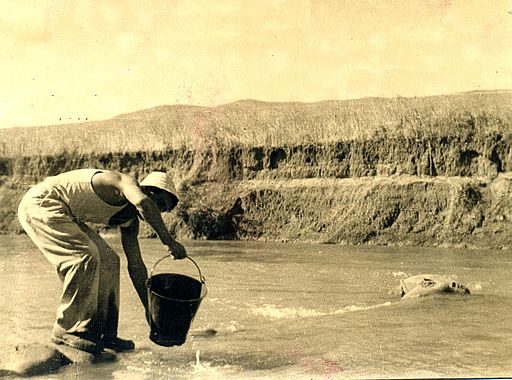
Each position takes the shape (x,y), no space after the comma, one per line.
(160,188)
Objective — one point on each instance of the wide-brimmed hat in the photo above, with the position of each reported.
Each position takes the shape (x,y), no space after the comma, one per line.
(160,180)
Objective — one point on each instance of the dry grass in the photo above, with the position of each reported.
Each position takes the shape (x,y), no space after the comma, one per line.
(254,123)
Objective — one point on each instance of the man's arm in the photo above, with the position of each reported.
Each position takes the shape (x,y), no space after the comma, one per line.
(136,267)
(146,207)
(131,191)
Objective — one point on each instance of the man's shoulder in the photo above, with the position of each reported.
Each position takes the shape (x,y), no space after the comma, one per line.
(110,177)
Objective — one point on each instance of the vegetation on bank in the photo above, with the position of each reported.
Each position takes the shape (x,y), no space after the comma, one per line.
(253,123)
(418,171)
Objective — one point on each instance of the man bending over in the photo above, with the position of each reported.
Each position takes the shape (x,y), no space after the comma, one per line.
(55,213)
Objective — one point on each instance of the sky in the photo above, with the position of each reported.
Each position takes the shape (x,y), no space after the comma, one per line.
(65,61)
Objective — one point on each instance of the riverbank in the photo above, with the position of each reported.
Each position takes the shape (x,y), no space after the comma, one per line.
(385,192)
(407,171)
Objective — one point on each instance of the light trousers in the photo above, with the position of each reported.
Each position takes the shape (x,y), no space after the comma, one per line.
(87,266)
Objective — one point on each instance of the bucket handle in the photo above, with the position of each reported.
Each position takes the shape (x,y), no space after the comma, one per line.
(201,277)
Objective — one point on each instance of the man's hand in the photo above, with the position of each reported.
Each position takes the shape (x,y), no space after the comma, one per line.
(177,250)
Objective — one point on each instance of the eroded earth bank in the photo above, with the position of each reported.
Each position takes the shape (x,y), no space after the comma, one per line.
(444,191)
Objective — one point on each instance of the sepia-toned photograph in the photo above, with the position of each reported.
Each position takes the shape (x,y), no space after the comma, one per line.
(242,189)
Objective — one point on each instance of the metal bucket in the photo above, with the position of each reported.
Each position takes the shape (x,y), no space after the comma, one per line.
(173,300)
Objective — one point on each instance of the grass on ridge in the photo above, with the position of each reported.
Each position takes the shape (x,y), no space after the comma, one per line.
(255,123)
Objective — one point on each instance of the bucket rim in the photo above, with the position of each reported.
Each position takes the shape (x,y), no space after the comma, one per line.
(204,291)
(201,280)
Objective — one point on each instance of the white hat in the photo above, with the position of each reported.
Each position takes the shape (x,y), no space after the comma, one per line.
(160,180)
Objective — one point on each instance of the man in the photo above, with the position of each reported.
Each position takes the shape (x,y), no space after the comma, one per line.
(54,214)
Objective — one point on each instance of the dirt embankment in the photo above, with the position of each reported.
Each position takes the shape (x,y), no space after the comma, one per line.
(398,191)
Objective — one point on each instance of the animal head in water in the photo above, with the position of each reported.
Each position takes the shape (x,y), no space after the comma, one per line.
(455,287)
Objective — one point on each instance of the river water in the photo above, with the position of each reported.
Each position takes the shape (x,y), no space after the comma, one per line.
(292,311)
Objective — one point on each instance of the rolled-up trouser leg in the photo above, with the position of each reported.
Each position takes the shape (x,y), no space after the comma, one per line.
(76,257)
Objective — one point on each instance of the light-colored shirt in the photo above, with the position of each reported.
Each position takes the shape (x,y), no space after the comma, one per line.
(75,189)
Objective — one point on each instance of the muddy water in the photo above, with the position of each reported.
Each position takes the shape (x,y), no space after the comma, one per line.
(292,311)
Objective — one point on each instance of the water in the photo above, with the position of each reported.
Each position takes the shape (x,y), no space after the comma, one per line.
(292,311)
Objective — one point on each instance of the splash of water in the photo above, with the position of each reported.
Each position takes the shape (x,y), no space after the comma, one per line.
(352,308)
(201,369)
(275,312)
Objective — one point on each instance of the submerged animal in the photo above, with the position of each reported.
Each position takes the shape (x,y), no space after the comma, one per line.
(427,284)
